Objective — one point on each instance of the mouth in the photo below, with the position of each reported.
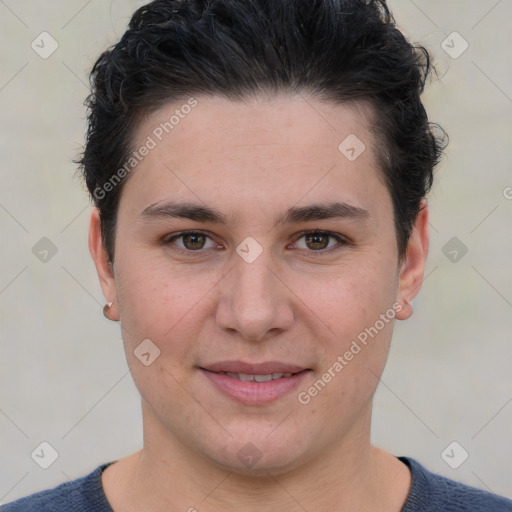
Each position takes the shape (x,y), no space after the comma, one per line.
(254,384)
(248,377)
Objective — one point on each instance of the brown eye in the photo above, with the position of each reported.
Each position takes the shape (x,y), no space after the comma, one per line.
(191,241)
(317,241)
(194,241)
(320,242)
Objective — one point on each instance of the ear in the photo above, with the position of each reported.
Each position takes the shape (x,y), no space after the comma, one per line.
(413,265)
(103,265)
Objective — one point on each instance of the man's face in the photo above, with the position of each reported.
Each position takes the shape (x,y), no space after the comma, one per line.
(254,291)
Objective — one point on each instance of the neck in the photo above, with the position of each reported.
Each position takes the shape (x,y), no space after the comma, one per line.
(166,475)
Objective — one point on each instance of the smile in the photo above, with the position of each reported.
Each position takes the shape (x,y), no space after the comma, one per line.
(254,388)
(257,378)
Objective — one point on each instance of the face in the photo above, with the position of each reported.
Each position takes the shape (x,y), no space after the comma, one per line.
(251,246)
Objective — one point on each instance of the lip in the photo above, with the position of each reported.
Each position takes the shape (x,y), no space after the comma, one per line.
(253,368)
(250,392)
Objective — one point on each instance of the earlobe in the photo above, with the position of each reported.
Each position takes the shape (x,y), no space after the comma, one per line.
(413,265)
(103,266)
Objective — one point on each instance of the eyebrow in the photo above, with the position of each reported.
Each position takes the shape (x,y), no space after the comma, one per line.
(207,214)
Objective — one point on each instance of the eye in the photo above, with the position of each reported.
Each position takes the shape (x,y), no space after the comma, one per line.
(314,241)
(192,241)
(318,241)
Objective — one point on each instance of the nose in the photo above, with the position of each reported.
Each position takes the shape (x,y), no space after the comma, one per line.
(254,300)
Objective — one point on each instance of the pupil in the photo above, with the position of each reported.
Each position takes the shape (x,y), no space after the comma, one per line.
(314,239)
(193,239)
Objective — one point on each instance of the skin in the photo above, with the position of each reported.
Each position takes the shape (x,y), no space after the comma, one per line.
(251,161)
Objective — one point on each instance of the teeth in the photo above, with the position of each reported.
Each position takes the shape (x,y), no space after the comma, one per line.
(263,378)
(258,378)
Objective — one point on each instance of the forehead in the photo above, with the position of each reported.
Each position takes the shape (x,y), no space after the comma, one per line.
(255,150)
(257,121)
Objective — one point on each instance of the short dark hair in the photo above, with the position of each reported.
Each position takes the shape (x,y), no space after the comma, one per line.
(335,50)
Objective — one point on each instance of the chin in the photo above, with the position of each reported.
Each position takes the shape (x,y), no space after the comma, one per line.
(263,468)
(258,458)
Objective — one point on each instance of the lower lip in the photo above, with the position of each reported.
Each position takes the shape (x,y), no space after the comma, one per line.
(255,393)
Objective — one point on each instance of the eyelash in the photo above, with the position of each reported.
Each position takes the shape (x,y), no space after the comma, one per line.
(341,241)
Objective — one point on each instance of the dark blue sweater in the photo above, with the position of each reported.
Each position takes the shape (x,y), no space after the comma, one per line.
(429,493)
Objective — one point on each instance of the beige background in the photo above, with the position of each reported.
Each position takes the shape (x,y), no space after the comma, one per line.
(64,379)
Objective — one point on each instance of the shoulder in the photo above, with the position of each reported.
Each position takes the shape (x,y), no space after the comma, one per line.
(83,494)
(431,492)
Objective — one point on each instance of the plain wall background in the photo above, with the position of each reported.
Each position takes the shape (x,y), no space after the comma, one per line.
(64,378)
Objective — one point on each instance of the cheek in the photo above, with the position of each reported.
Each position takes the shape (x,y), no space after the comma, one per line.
(357,306)
(160,302)
(351,297)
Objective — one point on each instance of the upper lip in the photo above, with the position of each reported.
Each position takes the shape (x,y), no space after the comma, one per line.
(253,368)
